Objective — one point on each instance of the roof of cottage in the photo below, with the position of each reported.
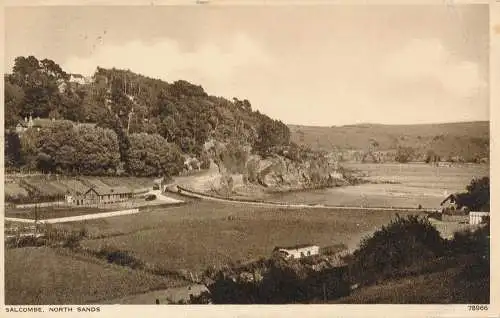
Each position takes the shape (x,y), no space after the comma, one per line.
(295,247)
(101,190)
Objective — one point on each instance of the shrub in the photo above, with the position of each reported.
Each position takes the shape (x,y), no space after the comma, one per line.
(226,185)
(473,282)
(404,154)
(273,281)
(404,242)
(201,299)
(431,157)
(24,241)
(470,242)
(205,160)
(50,236)
(234,157)
(58,236)
(119,257)
(252,173)
(477,197)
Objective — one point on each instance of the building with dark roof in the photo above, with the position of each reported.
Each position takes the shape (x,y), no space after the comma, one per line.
(100,195)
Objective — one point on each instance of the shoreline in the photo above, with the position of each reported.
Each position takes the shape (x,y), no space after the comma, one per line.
(204,196)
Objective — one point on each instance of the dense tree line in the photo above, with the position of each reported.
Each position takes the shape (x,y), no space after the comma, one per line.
(152,155)
(65,148)
(127,103)
(477,195)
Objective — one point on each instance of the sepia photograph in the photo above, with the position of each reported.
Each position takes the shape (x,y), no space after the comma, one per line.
(246,155)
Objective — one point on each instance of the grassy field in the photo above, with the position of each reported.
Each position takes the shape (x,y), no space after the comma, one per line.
(453,178)
(46,276)
(200,234)
(182,238)
(165,296)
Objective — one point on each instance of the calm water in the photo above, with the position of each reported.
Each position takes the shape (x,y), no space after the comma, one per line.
(414,184)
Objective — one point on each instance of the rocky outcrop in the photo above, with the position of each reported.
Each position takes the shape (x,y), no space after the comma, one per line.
(241,173)
(281,173)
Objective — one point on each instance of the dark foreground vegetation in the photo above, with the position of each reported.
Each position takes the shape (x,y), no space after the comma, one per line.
(408,248)
(476,197)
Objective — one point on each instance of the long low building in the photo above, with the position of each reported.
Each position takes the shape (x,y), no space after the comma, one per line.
(100,195)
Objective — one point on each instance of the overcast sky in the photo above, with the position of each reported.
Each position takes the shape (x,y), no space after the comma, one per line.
(311,65)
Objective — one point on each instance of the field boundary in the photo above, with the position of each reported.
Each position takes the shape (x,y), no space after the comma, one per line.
(40,205)
(194,194)
(77,218)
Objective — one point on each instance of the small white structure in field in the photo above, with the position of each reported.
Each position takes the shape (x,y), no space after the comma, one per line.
(478,217)
(298,251)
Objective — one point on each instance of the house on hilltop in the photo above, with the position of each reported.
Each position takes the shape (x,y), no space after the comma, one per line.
(297,251)
(80,79)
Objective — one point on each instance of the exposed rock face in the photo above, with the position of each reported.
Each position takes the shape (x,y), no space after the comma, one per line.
(278,172)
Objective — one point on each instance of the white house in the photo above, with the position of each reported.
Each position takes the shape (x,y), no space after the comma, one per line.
(297,251)
(478,217)
(77,78)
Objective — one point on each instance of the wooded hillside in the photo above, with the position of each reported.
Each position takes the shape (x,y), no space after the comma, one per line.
(129,104)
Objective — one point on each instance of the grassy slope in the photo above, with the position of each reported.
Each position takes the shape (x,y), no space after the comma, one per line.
(456,137)
(454,284)
(44,276)
(186,238)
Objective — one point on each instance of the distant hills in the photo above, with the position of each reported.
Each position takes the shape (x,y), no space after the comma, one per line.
(467,140)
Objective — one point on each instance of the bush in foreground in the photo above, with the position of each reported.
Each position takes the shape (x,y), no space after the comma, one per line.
(273,281)
(404,242)
(477,197)
(48,235)
(119,257)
